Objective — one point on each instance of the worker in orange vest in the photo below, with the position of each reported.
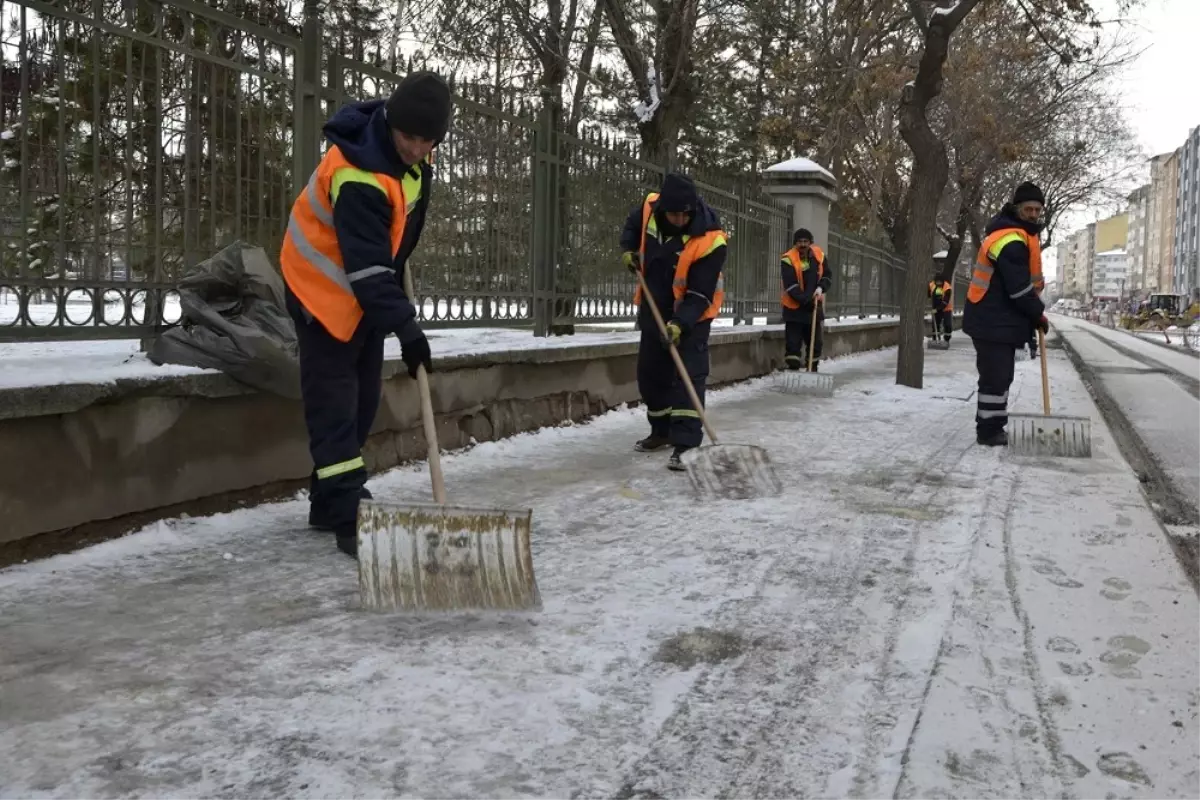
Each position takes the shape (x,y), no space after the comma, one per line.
(1003,303)
(941,294)
(806,277)
(675,240)
(351,232)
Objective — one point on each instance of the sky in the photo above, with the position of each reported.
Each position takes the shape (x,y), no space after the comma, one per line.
(1158,90)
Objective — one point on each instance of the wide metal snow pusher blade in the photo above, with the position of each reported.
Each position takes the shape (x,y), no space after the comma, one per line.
(938,344)
(1050,435)
(810,383)
(426,556)
(731,472)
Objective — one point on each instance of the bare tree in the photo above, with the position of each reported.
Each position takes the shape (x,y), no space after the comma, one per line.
(930,171)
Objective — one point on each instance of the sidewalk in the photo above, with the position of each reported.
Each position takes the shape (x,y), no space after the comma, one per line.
(916,617)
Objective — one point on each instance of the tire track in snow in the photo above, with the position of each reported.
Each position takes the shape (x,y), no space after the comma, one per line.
(742,727)
(980,631)
(886,708)
(1050,737)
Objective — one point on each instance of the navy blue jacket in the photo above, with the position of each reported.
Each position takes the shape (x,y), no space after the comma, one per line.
(1010,307)
(362,218)
(787,274)
(662,254)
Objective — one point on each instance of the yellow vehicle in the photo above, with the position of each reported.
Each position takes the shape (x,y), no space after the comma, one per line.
(1161,311)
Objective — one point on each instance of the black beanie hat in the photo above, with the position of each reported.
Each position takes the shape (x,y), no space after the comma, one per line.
(678,193)
(421,106)
(1027,192)
(802,233)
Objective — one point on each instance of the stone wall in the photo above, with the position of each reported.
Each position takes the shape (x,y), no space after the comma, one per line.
(84,462)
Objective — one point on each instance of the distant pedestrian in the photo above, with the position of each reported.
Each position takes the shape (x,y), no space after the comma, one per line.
(941,295)
(1003,303)
(806,277)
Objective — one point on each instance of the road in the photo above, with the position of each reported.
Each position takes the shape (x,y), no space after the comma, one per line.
(916,616)
(1157,392)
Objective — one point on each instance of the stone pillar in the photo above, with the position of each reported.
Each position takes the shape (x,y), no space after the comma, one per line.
(808,189)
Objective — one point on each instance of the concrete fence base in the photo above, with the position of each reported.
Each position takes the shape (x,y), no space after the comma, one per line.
(84,462)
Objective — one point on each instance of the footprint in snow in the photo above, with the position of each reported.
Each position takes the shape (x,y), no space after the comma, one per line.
(1053,573)
(1123,766)
(1123,653)
(1116,589)
(1076,669)
(1061,644)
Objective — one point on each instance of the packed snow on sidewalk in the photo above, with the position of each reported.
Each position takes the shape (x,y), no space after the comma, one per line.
(916,616)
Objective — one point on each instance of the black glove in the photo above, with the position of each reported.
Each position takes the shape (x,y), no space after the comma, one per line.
(632,262)
(1042,325)
(414,353)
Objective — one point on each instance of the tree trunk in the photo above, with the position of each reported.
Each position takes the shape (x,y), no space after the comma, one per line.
(930,171)
(929,174)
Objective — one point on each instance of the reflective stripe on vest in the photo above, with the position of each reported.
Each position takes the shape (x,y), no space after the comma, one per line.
(311,259)
(793,257)
(989,251)
(694,249)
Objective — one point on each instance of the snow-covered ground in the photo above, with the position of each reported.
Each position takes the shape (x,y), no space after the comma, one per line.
(916,617)
(50,363)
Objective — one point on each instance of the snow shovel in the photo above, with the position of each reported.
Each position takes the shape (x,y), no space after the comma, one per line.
(811,383)
(438,557)
(935,341)
(1046,435)
(718,471)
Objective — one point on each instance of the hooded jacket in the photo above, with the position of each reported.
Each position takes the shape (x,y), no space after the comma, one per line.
(662,254)
(362,217)
(999,317)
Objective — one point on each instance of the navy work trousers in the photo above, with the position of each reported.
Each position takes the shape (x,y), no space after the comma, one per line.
(668,406)
(796,337)
(994,361)
(340,383)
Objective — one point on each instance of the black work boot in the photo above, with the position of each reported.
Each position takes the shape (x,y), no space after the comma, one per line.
(651,443)
(997,439)
(347,539)
(675,462)
(816,363)
(317,518)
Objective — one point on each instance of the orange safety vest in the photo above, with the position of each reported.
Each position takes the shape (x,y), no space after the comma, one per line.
(981,276)
(311,259)
(694,247)
(947,289)
(793,256)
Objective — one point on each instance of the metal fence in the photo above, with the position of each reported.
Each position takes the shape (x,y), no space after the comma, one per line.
(137,137)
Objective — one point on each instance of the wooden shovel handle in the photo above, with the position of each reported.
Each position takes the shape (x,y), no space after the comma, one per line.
(812,334)
(1045,376)
(648,299)
(431,442)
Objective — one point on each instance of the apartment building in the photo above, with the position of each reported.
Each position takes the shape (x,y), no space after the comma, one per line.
(1185,256)
(1138,211)
(1083,245)
(1062,257)
(1168,193)
(1110,276)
